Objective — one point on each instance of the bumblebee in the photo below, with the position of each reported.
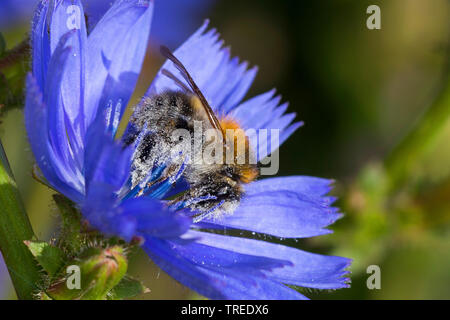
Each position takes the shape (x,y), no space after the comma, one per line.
(214,188)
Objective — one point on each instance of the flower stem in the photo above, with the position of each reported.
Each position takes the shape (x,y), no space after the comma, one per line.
(406,157)
(15,228)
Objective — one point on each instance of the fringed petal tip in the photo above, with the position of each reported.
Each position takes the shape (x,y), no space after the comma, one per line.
(222,79)
(209,278)
(226,267)
(266,112)
(343,277)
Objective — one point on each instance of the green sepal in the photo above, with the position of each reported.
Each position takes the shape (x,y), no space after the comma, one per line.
(71,238)
(43,296)
(50,258)
(128,288)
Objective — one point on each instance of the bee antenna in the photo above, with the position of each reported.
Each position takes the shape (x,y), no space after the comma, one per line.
(195,89)
(171,76)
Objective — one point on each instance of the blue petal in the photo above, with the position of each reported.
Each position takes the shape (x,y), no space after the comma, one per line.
(265,112)
(69,15)
(223,81)
(40,42)
(116,50)
(36,118)
(182,270)
(96,10)
(107,169)
(242,288)
(291,207)
(229,261)
(213,284)
(154,219)
(54,147)
(141,217)
(106,161)
(312,186)
(307,269)
(247,287)
(57,117)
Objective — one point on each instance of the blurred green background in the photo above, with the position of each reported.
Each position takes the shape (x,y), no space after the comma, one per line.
(359,92)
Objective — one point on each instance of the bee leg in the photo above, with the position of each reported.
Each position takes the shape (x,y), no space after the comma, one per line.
(175,200)
(155,182)
(187,200)
(203,215)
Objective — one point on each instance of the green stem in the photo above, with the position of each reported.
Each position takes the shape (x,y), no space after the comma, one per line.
(407,156)
(15,228)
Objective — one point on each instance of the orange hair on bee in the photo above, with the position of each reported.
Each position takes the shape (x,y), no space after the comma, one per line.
(247,172)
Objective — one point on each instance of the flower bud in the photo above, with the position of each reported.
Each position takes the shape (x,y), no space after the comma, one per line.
(92,275)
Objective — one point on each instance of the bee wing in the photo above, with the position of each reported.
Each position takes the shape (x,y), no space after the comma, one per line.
(195,89)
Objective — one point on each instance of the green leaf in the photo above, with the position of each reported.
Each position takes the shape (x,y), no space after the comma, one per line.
(128,288)
(51,258)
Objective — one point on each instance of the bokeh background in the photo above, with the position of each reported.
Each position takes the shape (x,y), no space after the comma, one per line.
(359,92)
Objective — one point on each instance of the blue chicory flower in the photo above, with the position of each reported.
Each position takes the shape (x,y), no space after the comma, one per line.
(76,95)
